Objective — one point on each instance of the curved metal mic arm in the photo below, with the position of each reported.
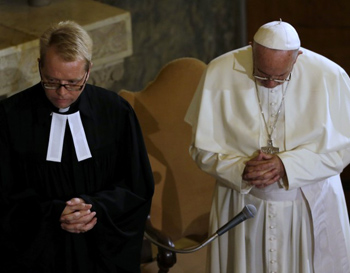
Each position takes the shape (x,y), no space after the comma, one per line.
(186,250)
(248,211)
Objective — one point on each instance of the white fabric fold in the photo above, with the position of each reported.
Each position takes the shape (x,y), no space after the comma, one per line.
(58,127)
(56,139)
(79,138)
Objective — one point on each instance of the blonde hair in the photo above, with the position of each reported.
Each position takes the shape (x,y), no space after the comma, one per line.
(72,42)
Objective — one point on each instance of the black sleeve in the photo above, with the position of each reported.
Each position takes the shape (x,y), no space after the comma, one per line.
(123,209)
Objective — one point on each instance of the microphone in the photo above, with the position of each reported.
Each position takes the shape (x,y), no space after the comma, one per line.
(248,211)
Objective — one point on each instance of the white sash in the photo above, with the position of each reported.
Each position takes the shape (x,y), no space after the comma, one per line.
(58,127)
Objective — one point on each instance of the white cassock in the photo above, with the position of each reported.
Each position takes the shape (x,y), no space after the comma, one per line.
(302,224)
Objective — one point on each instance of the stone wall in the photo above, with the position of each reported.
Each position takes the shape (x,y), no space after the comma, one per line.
(160,31)
(21,26)
(164,30)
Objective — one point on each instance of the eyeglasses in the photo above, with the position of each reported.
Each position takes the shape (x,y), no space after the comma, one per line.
(68,86)
(274,80)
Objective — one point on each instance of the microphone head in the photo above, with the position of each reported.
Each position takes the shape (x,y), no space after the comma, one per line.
(249,211)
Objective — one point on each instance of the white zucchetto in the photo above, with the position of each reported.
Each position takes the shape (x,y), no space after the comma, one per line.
(278,35)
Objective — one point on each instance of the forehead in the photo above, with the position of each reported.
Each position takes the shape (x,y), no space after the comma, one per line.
(272,62)
(55,66)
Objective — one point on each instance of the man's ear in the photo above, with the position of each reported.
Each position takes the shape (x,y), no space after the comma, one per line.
(90,66)
(299,53)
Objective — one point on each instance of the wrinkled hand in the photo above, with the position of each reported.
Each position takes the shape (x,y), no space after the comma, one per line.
(263,170)
(77,216)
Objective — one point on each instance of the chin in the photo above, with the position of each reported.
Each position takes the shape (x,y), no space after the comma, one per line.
(61,105)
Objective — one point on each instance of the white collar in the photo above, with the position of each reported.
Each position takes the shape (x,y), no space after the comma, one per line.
(58,127)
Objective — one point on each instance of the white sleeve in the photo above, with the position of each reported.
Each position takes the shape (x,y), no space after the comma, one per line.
(302,167)
(305,167)
(227,169)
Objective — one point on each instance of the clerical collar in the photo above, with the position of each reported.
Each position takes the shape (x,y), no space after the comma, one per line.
(57,132)
(64,110)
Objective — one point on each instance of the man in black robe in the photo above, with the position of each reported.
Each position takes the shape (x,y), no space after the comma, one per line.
(75,180)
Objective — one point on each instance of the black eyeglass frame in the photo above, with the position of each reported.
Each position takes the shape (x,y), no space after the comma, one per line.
(67,86)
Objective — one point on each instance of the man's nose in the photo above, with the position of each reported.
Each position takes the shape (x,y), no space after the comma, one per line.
(61,90)
(270,84)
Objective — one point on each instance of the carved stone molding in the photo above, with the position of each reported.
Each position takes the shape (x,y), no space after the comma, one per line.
(22,25)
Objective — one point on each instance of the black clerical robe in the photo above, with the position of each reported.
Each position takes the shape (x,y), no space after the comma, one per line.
(117,181)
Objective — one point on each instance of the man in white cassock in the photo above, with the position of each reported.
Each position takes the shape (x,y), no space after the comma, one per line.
(271,121)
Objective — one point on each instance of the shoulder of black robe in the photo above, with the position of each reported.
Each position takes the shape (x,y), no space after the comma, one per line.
(122,203)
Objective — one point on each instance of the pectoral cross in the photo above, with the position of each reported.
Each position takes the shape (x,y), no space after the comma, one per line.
(269,149)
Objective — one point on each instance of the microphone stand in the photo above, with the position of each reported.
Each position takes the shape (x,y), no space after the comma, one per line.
(186,250)
(248,211)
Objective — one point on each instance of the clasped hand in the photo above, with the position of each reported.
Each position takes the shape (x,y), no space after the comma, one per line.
(77,216)
(263,170)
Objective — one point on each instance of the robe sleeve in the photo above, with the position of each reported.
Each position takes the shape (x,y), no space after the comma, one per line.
(227,169)
(123,208)
(304,167)
(21,216)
